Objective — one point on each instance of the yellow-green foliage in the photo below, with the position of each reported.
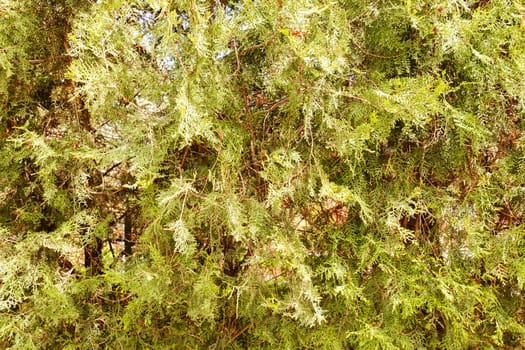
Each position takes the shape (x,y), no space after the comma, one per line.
(281,174)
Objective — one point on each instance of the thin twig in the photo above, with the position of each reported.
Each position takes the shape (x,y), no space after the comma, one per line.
(111,168)
(261,45)
(250,123)
(237,335)
(373,54)
(184,156)
(111,249)
(277,105)
(50,59)
(234,44)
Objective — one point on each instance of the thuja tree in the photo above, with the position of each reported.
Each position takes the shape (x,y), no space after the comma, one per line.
(262,174)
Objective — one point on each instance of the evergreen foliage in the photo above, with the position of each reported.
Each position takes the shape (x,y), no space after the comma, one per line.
(270,174)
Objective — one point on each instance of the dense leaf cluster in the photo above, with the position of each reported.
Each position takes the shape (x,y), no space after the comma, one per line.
(297,174)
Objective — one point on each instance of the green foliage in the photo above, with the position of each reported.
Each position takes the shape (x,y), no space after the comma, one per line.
(262,174)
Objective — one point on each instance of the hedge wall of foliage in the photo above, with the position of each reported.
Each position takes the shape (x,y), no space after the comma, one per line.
(281,174)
